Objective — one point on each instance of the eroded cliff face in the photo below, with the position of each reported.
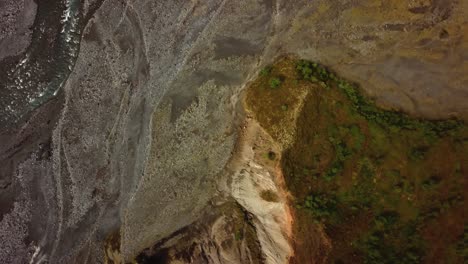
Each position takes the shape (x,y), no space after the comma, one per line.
(137,139)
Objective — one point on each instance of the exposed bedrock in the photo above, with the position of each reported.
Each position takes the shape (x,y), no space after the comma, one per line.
(140,134)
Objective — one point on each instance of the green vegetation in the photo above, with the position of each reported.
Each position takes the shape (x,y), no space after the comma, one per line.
(266,71)
(341,153)
(418,153)
(382,183)
(313,72)
(275,82)
(321,205)
(430,183)
(380,249)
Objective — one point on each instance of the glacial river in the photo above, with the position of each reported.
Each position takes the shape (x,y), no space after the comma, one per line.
(35,79)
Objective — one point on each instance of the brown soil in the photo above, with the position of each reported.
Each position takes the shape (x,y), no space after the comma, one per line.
(375,169)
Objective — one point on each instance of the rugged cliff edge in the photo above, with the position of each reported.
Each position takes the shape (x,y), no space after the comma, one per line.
(365,184)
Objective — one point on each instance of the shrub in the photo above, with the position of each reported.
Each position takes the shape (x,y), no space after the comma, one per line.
(275,82)
(322,206)
(430,183)
(377,250)
(266,71)
(418,153)
(386,219)
(314,73)
(367,170)
(341,154)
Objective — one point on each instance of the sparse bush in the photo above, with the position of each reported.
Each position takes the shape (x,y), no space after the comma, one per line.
(418,153)
(367,169)
(321,205)
(275,82)
(341,154)
(266,71)
(313,72)
(377,249)
(336,168)
(386,219)
(430,183)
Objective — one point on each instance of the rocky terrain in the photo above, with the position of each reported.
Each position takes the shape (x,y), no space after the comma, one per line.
(122,130)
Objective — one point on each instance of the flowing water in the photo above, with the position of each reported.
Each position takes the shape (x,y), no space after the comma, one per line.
(43,69)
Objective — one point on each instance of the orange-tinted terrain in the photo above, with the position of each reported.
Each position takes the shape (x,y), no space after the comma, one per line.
(369,185)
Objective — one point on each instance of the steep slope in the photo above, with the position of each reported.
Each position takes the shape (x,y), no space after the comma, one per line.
(368,185)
